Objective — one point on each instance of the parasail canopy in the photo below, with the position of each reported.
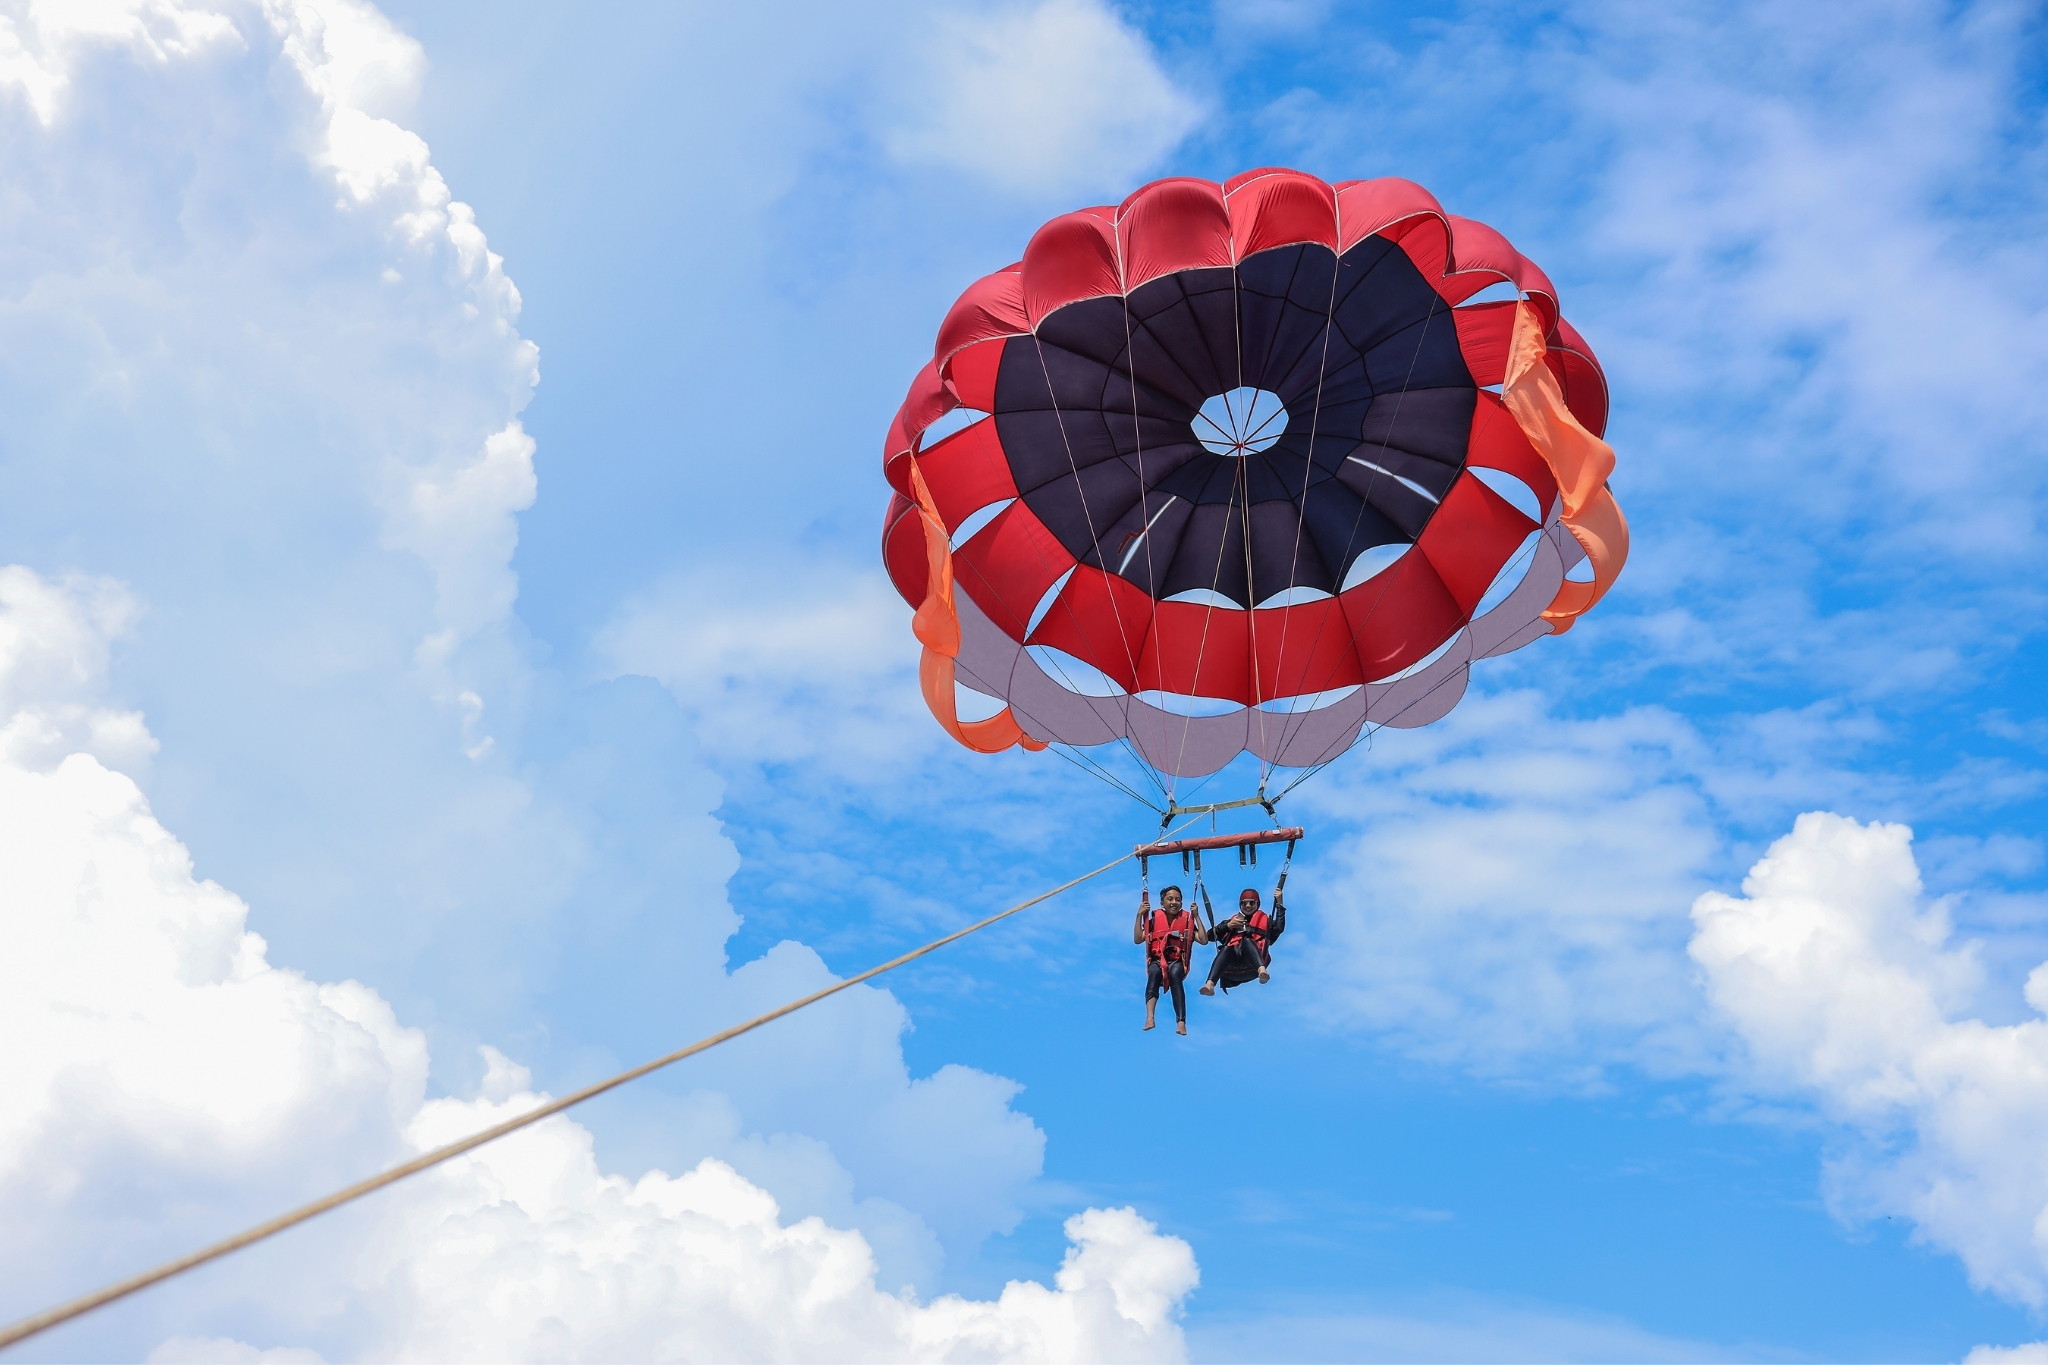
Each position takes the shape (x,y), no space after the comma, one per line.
(1250,468)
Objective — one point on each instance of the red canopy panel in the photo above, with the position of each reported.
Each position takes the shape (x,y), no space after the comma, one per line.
(1499,443)
(1399,615)
(1273,207)
(1172,225)
(1365,207)
(1008,565)
(966,472)
(1071,258)
(1199,650)
(1303,649)
(1101,619)
(1472,535)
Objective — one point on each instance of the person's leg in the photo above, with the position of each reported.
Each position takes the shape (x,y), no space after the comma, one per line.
(1152,983)
(1177,978)
(1215,971)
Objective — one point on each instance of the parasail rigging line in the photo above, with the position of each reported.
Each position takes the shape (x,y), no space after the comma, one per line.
(1095,539)
(1308,467)
(1299,720)
(1081,629)
(1241,493)
(1094,769)
(21,1331)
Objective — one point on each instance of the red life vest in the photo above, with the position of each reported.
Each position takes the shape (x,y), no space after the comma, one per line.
(1256,924)
(1168,936)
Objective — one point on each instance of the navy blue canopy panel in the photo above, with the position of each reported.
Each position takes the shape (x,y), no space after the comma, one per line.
(1096,413)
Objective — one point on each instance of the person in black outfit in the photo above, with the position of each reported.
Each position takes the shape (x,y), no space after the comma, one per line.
(1245,943)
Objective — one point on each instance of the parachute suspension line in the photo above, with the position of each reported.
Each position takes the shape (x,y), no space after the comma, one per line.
(1138,444)
(1288,724)
(1144,505)
(1243,496)
(1067,679)
(42,1322)
(1216,577)
(1327,756)
(1324,759)
(1372,481)
(1098,770)
(1094,538)
(1094,769)
(1201,653)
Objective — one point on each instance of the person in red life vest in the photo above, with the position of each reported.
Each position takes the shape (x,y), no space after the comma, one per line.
(1245,943)
(1169,934)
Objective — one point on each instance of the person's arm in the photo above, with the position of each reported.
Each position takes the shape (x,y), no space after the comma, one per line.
(1201,934)
(1138,925)
(1278,919)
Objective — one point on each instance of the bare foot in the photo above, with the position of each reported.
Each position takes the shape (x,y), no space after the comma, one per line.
(1181,1028)
(1208,989)
(1264,976)
(1147,1028)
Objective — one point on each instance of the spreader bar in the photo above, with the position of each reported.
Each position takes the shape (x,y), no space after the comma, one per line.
(1263,836)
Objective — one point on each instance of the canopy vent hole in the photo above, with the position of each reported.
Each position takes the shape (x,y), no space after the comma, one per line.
(1241,422)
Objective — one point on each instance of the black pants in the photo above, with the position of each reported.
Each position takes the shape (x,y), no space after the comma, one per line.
(1172,975)
(1237,963)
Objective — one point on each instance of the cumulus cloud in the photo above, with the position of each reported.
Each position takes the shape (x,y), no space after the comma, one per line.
(264,379)
(38,50)
(164,1076)
(525,1250)
(53,656)
(1846,986)
(1052,97)
(266,371)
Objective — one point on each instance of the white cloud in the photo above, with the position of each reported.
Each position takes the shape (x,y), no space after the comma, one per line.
(1846,988)
(1045,98)
(264,370)
(39,50)
(526,1250)
(2030,1353)
(815,663)
(1508,887)
(53,657)
(164,1078)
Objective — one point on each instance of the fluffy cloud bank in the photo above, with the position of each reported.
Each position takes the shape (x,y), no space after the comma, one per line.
(1846,987)
(264,370)
(164,1077)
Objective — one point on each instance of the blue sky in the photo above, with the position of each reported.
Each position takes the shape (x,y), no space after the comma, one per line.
(555,697)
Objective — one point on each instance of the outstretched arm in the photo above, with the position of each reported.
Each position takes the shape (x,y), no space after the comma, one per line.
(1138,925)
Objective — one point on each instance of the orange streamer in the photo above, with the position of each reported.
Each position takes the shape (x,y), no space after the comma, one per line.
(1581,461)
(937,627)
